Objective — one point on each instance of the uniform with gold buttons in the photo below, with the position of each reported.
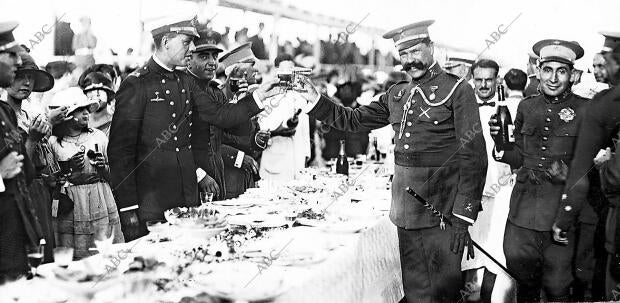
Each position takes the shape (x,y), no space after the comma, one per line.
(440,153)
(150,154)
(545,131)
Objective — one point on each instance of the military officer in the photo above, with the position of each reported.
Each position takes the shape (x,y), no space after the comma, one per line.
(150,155)
(440,152)
(598,130)
(206,141)
(545,132)
(19,225)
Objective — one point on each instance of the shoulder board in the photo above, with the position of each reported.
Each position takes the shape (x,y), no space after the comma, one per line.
(395,85)
(140,72)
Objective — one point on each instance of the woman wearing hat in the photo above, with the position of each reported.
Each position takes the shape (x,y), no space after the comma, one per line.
(97,86)
(29,78)
(82,153)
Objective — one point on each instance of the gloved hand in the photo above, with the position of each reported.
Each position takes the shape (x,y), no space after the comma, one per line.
(461,238)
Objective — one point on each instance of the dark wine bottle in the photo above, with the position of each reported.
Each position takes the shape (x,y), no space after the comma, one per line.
(505,137)
(342,164)
(292,122)
(377,152)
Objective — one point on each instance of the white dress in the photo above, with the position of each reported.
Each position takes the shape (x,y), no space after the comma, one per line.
(94,206)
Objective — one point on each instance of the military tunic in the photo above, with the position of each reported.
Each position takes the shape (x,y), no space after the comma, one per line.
(150,152)
(19,225)
(545,133)
(440,153)
(207,140)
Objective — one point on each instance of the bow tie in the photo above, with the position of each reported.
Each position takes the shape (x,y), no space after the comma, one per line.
(490,103)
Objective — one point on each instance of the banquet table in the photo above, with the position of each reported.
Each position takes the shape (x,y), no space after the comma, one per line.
(360,265)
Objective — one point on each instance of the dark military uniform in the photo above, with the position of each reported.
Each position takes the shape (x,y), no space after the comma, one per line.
(545,133)
(207,140)
(150,152)
(440,152)
(598,129)
(19,225)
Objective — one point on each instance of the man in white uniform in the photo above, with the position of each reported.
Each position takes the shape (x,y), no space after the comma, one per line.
(488,230)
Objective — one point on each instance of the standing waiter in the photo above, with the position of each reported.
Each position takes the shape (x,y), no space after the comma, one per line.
(150,154)
(440,152)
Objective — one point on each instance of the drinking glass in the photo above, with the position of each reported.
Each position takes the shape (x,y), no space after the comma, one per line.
(206,197)
(155,227)
(63,256)
(35,257)
(104,235)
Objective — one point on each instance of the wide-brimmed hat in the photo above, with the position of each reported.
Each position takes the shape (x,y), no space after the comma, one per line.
(43,81)
(73,98)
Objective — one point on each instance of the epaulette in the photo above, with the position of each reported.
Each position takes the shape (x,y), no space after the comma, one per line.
(140,72)
(402,89)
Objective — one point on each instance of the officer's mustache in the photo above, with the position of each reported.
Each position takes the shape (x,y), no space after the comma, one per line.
(417,64)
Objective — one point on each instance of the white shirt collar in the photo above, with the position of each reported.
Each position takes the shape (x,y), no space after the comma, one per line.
(160,63)
(516,93)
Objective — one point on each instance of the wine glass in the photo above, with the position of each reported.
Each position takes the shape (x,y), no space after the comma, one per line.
(155,227)
(63,256)
(104,235)
(206,197)
(35,257)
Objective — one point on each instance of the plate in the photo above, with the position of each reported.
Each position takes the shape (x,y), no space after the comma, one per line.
(303,258)
(258,220)
(244,281)
(346,227)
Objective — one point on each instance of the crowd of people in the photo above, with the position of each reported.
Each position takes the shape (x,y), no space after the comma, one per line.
(113,151)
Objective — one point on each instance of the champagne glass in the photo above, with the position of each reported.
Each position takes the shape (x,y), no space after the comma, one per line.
(35,257)
(206,197)
(63,256)
(104,235)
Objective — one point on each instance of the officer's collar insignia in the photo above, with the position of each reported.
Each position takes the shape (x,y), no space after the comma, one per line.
(157,98)
(567,114)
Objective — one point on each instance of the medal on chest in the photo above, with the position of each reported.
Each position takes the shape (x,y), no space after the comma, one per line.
(567,114)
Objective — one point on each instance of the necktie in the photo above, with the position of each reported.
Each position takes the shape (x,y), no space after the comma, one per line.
(491,103)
